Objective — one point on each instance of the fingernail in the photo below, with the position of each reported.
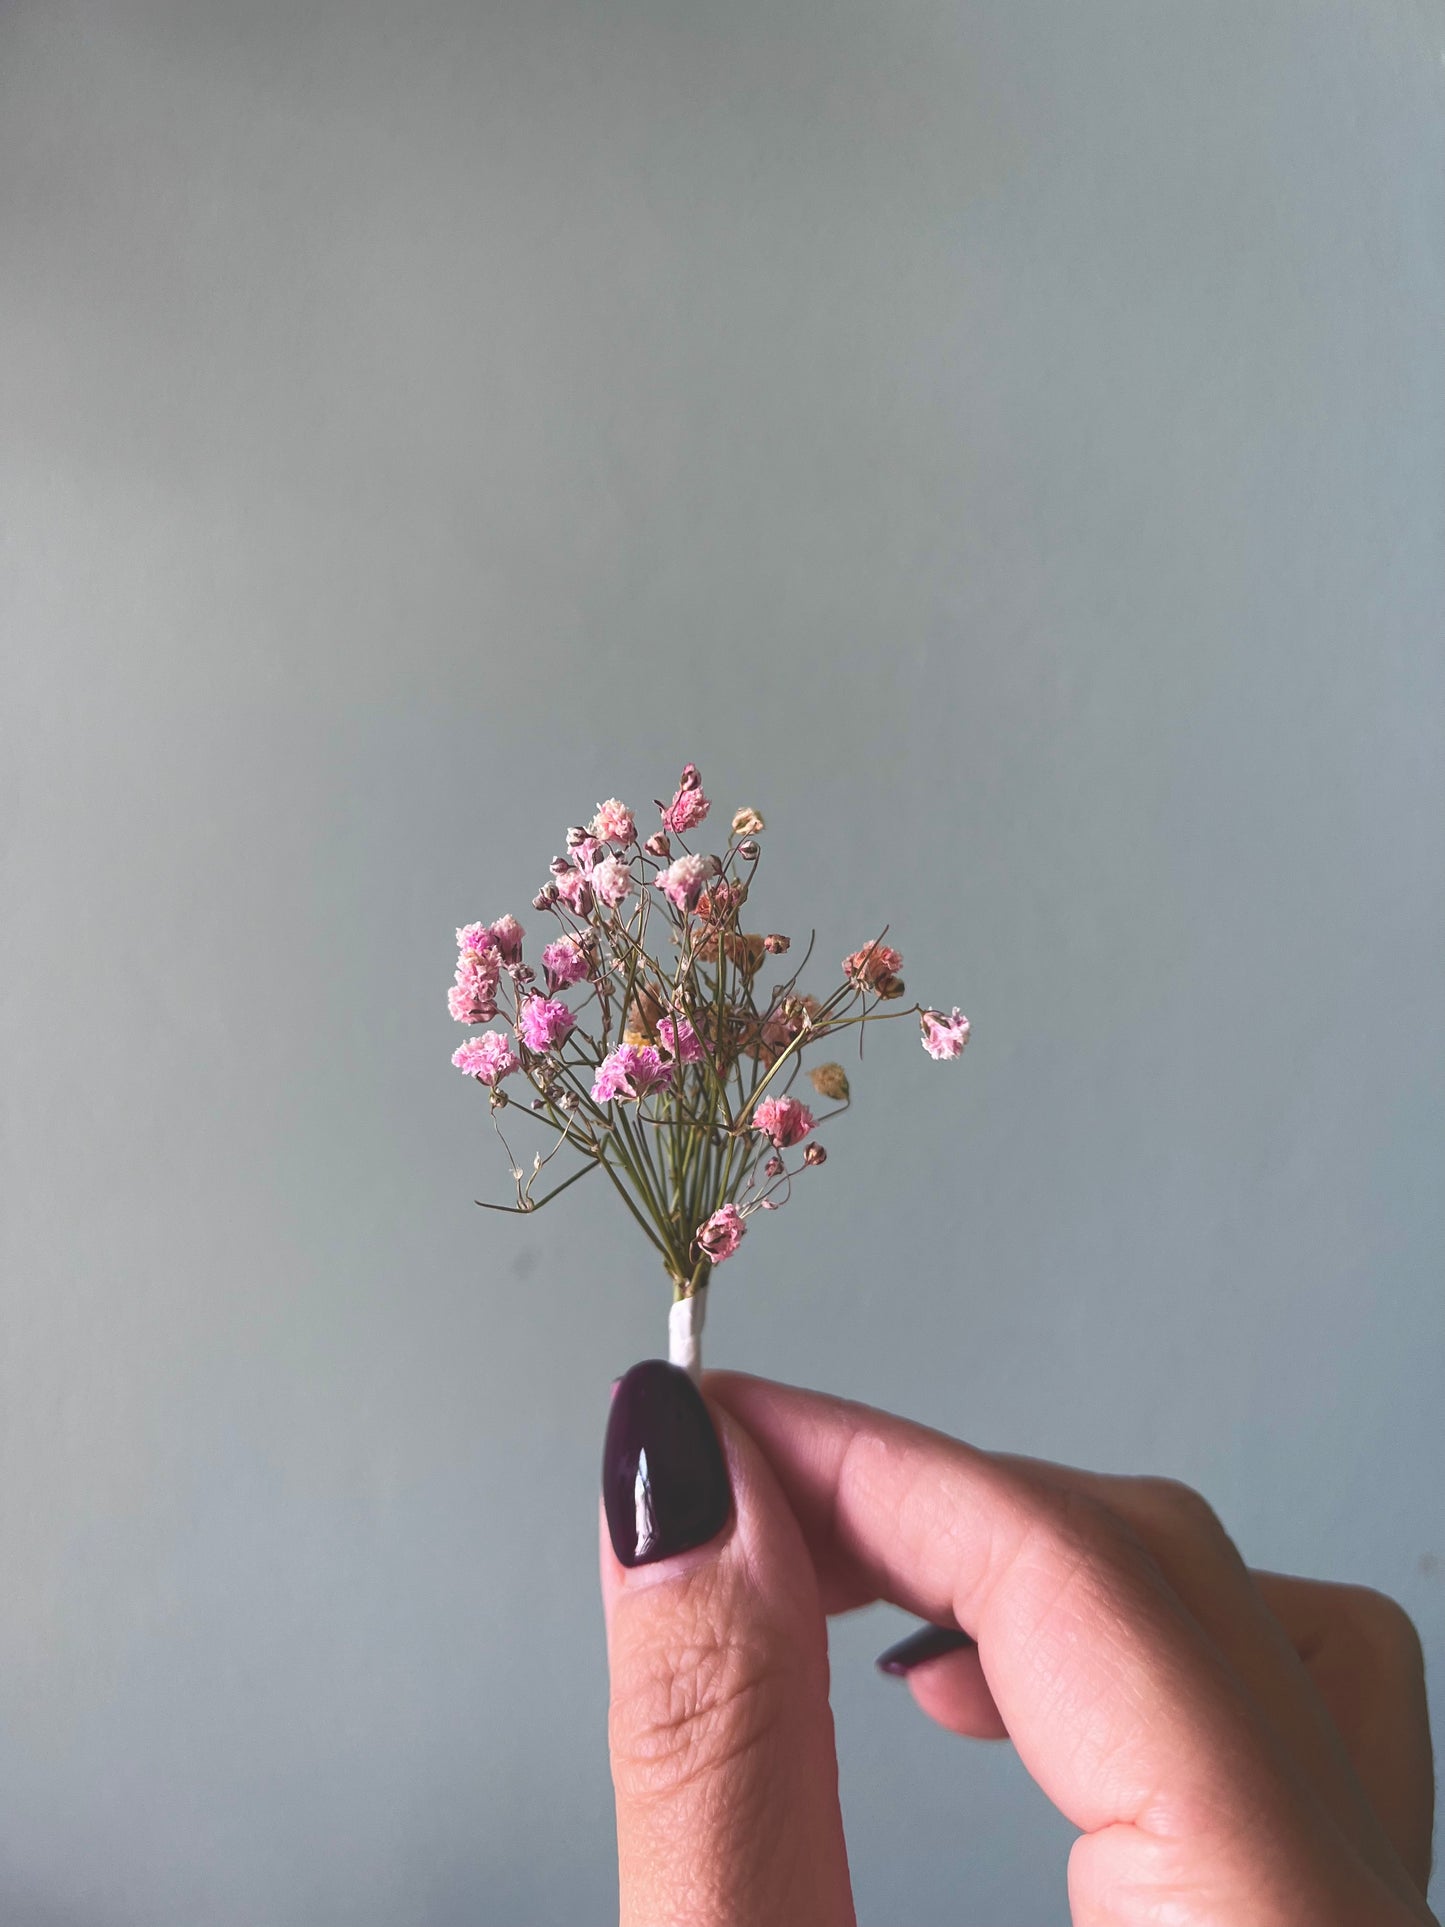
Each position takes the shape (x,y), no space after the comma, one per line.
(664,1479)
(929,1642)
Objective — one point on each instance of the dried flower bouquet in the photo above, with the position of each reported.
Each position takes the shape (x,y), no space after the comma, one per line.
(647,1047)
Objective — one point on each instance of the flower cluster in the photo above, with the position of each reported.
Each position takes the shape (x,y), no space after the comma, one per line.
(666,1065)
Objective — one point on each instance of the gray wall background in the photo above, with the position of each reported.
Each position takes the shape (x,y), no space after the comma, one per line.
(1001,440)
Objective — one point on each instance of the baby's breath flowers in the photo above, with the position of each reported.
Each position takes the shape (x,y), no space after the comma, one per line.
(650,1047)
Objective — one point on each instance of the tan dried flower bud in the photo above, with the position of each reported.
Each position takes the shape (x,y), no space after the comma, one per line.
(748,823)
(815,1154)
(889,987)
(746,952)
(658,844)
(776,945)
(640,1023)
(830,1081)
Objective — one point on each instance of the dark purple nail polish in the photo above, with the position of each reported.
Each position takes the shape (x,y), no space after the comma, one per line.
(664,1479)
(929,1642)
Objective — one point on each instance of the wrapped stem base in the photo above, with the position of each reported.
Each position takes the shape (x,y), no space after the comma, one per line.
(684,1332)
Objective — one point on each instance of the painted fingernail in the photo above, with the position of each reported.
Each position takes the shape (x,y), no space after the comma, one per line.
(664,1479)
(929,1642)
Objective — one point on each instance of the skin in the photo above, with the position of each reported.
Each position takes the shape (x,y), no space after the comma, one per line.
(1234,1746)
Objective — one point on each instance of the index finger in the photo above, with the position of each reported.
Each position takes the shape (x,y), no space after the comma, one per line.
(1120,1706)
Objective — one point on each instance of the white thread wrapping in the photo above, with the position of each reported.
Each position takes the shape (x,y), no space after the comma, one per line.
(684,1333)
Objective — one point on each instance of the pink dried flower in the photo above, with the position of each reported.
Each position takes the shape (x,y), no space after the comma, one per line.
(678,1039)
(472,998)
(613,822)
(867,968)
(507,934)
(489,1057)
(470,1002)
(612,881)
(482,967)
(783,1119)
(682,881)
(584,852)
(720,1237)
(478,938)
(721,902)
(565,963)
(688,808)
(944,1036)
(574,890)
(631,1071)
(543,1022)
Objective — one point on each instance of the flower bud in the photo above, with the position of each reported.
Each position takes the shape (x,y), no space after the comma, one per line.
(575,835)
(831,1081)
(748,823)
(774,1167)
(815,1154)
(658,845)
(889,986)
(746,951)
(748,850)
(559,866)
(776,945)
(545,897)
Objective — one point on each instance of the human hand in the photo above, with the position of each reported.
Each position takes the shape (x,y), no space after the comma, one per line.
(1233,1746)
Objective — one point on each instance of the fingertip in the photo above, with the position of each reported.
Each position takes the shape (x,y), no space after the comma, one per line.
(945,1676)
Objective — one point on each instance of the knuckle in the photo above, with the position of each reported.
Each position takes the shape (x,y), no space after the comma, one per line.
(1067,1564)
(1384,1629)
(1184,1518)
(1068,1534)
(1172,1499)
(698,1702)
(1085,1524)
(1075,1539)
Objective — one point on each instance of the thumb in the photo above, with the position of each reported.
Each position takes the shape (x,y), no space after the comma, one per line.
(720,1730)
